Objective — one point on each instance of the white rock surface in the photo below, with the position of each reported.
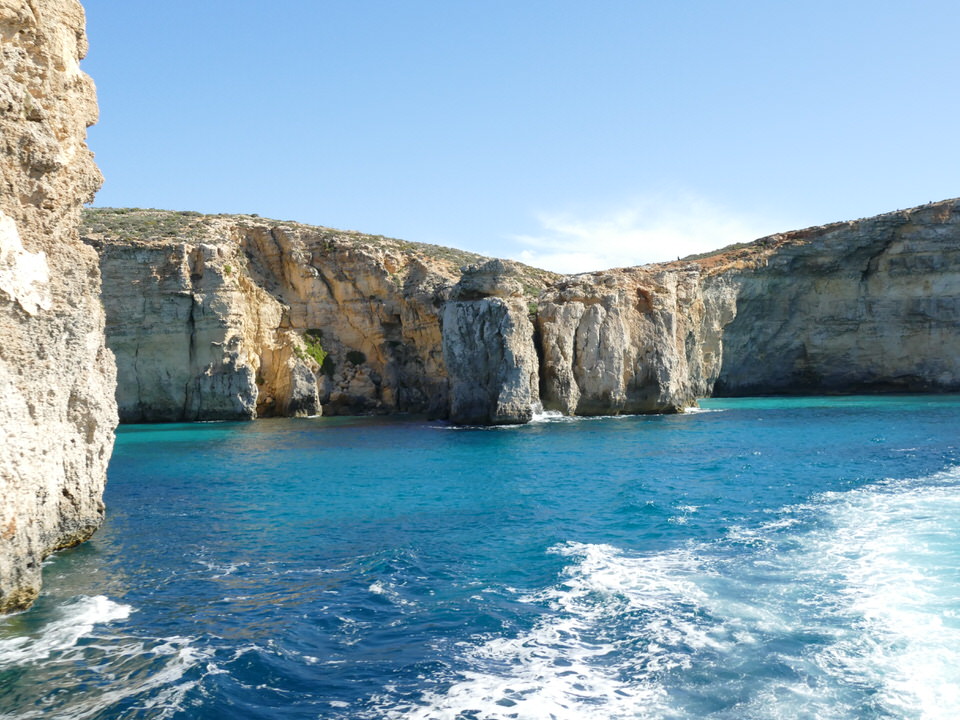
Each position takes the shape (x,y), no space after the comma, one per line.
(57,410)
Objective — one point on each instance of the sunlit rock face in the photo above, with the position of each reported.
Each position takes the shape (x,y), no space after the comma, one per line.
(215,317)
(635,340)
(192,336)
(870,305)
(488,348)
(57,412)
(233,317)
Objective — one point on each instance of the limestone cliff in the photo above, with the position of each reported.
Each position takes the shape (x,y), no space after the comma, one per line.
(868,305)
(57,412)
(488,348)
(192,335)
(637,340)
(232,317)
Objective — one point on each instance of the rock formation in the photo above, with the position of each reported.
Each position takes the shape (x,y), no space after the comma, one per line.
(638,340)
(57,413)
(863,306)
(197,336)
(488,348)
(231,317)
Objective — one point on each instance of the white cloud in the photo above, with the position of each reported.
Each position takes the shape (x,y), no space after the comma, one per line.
(653,229)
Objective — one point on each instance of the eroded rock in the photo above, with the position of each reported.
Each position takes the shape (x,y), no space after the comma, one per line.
(232,317)
(869,305)
(57,413)
(488,348)
(637,340)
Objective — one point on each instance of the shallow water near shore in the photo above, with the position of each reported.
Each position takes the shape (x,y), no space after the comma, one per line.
(760,558)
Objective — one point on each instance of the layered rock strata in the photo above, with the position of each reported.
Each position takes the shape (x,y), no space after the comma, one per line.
(245,318)
(231,317)
(863,306)
(57,413)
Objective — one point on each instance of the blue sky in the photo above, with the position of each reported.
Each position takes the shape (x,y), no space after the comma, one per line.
(571,135)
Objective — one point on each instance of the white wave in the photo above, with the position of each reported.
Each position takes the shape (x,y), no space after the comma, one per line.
(544,416)
(220,570)
(843,607)
(564,667)
(124,667)
(181,657)
(390,592)
(684,517)
(896,555)
(697,410)
(78,619)
(875,573)
(152,672)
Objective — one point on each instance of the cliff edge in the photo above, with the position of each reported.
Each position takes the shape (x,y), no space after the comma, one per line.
(58,413)
(225,317)
(870,305)
(231,317)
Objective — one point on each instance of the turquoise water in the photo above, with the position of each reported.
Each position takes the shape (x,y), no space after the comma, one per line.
(762,558)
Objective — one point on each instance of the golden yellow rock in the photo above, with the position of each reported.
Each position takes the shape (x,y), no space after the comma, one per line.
(230,317)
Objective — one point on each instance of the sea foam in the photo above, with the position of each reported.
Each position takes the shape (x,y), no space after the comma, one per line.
(151,671)
(77,620)
(843,606)
(613,624)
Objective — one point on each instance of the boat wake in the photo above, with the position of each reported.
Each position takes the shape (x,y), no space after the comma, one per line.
(98,671)
(845,607)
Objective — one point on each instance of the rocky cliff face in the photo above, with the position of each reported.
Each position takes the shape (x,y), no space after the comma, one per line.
(638,340)
(870,305)
(862,306)
(57,412)
(231,317)
(192,336)
(488,348)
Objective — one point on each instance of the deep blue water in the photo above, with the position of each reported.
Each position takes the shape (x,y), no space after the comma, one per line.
(764,558)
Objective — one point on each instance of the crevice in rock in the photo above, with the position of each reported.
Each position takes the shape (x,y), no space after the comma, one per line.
(185,414)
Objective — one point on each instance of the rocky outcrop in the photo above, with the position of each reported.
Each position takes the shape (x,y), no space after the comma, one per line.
(232,317)
(870,305)
(229,317)
(638,340)
(488,348)
(57,413)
